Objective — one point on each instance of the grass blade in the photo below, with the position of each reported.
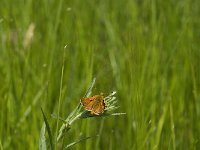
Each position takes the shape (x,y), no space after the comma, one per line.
(88,92)
(57,117)
(48,129)
(78,141)
(42,141)
(87,114)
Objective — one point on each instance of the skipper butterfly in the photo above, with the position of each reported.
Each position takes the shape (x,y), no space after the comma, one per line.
(95,104)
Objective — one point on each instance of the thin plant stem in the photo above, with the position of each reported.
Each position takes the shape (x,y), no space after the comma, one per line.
(60,96)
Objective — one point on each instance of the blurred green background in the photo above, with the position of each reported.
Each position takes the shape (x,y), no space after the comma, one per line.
(147,50)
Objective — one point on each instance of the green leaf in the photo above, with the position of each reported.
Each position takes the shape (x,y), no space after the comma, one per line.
(42,141)
(48,129)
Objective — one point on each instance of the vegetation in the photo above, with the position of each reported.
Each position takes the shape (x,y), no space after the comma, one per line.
(148,51)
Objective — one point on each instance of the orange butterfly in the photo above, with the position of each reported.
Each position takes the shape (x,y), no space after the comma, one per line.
(95,104)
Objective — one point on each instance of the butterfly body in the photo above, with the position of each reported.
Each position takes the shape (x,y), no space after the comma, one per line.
(95,104)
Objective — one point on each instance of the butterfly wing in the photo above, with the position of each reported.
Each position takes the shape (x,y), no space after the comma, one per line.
(95,104)
(98,106)
(88,102)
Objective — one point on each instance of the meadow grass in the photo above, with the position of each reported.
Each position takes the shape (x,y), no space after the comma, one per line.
(148,51)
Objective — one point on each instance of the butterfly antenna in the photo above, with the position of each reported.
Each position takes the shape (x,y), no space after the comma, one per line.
(88,92)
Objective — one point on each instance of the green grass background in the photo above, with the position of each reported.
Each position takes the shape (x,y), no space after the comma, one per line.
(149,51)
